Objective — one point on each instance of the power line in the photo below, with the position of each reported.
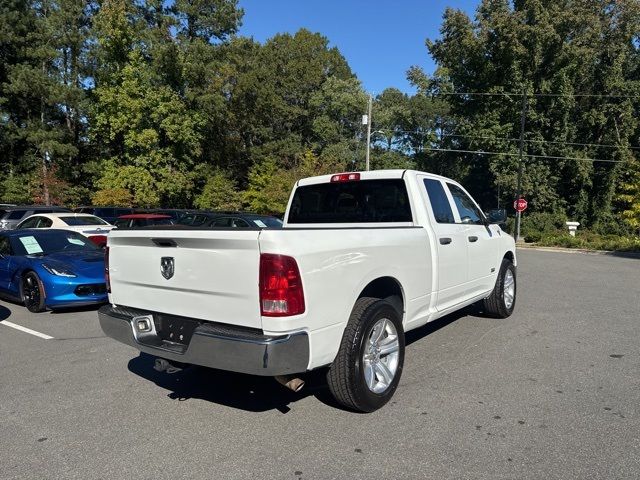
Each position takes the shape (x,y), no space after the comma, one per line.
(632,147)
(486,137)
(482,152)
(511,94)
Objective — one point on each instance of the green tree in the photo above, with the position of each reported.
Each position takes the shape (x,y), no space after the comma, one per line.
(277,104)
(219,193)
(564,48)
(42,79)
(152,138)
(269,186)
(392,112)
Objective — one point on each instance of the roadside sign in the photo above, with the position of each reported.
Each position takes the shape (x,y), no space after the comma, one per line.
(520,205)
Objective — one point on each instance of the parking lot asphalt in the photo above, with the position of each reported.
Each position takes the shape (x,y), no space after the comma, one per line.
(552,392)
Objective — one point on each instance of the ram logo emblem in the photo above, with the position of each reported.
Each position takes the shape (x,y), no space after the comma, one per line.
(167,267)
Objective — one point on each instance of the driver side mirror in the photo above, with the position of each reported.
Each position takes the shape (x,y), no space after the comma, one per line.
(497,216)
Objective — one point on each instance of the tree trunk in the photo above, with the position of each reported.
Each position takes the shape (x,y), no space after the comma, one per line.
(45,179)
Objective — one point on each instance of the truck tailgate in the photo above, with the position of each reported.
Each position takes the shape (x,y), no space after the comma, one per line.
(215,273)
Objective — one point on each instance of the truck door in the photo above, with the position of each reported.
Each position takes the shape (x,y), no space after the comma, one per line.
(481,243)
(451,245)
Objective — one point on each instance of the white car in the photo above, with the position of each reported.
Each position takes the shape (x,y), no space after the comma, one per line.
(362,258)
(92,227)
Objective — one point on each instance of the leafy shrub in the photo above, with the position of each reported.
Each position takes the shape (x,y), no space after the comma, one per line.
(590,240)
(535,224)
(114,197)
(219,193)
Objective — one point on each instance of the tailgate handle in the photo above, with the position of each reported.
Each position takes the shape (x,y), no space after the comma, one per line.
(164,242)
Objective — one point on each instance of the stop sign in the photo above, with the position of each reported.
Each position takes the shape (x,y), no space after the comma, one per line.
(520,205)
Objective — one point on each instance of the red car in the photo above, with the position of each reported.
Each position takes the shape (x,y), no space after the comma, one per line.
(137,220)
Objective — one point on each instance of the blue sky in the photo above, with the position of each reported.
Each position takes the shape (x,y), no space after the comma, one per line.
(379,39)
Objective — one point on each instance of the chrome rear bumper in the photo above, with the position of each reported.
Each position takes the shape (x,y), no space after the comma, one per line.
(214,345)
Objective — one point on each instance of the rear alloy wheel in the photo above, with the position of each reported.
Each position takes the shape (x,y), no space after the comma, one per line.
(33,293)
(367,369)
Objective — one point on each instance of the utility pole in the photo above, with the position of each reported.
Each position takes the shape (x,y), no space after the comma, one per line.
(523,115)
(369,131)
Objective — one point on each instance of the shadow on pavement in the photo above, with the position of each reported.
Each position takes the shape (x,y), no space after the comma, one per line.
(84,308)
(4,313)
(236,390)
(635,255)
(426,330)
(254,393)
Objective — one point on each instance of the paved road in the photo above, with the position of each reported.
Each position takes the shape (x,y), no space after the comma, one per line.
(552,392)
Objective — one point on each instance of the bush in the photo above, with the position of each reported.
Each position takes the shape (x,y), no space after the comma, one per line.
(590,240)
(611,225)
(219,193)
(114,197)
(536,224)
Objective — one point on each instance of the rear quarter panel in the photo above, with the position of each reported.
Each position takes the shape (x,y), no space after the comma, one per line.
(336,264)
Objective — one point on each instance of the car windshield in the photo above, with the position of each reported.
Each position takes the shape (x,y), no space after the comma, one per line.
(46,242)
(78,221)
(16,214)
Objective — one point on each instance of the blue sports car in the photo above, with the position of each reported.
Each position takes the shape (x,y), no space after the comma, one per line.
(51,269)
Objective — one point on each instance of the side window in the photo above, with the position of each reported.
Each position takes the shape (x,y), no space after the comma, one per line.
(468,211)
(199,220)
(221,222)
(30,222)
(439,201)
(121,223)
(5,246)
(239,223)
(187,220)
(45,222)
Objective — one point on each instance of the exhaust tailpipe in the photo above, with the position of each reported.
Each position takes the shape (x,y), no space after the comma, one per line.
(291,382)
(162,365)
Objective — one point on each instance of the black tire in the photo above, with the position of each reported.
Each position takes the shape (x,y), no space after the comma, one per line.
(495,304)
(32,291)
(346,376)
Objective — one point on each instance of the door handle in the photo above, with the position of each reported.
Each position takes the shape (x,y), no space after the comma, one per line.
(473,239)
(445,241)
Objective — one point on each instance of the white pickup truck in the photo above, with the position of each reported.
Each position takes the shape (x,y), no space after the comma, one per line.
(362,258)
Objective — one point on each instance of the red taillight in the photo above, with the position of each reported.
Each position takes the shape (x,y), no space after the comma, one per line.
(106,269)
(281,293)
(99,240)
(345,177)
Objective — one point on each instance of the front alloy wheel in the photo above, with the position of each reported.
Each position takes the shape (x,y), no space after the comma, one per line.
(33,293)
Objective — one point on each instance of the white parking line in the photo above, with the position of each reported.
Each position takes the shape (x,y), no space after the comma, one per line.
(26,330)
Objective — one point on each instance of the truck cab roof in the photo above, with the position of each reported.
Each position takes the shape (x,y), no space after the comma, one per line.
(364,175)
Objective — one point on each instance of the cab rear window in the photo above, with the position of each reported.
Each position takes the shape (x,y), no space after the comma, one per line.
(362,201)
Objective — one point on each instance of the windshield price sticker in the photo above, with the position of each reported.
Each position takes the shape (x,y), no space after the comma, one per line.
(31,245)
(75,241)
(260,223)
